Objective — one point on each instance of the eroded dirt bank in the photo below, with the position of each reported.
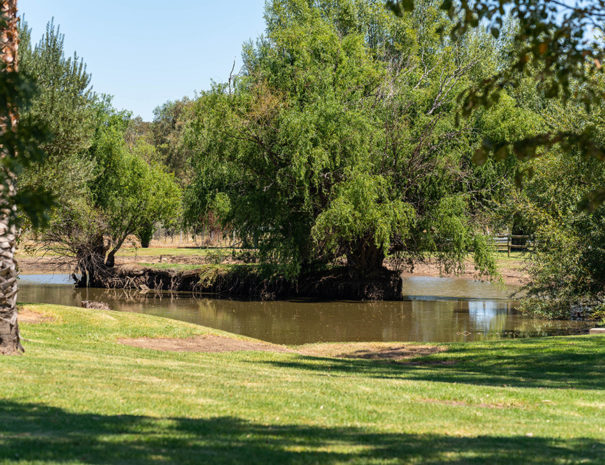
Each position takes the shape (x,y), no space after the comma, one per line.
(252,284)
(512,271)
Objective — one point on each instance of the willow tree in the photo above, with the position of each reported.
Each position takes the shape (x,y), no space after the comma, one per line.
(339,139)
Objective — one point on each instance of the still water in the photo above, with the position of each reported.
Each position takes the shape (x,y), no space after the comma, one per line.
(435,310)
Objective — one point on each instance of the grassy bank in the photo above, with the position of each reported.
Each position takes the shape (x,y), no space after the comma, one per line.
(78,396)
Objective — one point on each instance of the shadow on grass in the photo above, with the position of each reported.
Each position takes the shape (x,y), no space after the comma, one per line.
(44,434)
(577,363)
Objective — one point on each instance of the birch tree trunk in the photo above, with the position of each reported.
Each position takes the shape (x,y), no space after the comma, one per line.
(9,328)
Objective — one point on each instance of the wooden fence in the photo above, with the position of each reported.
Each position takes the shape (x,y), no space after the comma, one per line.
(512,242)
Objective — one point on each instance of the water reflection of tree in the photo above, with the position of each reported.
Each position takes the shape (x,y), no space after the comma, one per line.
(298,322)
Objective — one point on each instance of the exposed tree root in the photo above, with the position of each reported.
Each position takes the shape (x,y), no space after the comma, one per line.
(332,284)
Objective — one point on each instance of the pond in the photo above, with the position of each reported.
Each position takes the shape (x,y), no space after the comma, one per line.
(434,310)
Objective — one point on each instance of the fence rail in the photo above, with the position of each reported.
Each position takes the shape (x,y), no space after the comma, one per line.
(512,242)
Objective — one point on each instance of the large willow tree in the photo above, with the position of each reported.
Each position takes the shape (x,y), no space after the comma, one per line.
(339,138)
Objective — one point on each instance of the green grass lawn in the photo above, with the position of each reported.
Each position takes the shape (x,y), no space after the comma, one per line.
(173,251)
(516,261)
(152,252)
(79,397)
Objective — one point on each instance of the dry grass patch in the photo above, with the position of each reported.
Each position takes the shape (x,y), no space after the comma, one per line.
(213,344)
(370,350)
(28,316)
(205,343)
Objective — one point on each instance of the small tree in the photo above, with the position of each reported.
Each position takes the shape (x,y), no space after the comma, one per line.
(125,194)
(145,234)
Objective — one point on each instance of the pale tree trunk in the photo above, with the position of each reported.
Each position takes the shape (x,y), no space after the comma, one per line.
(9,329)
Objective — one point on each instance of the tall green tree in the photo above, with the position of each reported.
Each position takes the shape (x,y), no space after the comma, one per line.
(100,167)
(555,44)
(567,268)
(339,138)
(168,133)
(66,104)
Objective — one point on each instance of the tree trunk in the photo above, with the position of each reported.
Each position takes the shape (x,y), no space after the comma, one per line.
(91,263)
(145,234)
(365,259)
(9,328)
(111,259)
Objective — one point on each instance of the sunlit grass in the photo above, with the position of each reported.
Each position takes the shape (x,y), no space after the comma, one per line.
(174,251)
(77,396)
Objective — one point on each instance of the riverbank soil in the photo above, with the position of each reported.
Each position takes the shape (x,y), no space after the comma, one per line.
(79,396)
(512,269)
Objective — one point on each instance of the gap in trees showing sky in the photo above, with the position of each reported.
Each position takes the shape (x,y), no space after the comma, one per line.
(145,52)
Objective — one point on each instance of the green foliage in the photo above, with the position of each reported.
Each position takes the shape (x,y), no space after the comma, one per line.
(65,104)
(21,146)
(554,38)
(21,140)
(101,169)
(360,209)
(131,193)
(167,134)
(554,44)
(340,138)
(568,269)
(145,234)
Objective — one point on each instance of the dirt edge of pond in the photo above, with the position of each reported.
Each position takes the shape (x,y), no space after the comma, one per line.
(210,343)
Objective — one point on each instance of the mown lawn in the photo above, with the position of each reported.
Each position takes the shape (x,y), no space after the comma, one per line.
(150,252)
(175,251)
(78,396)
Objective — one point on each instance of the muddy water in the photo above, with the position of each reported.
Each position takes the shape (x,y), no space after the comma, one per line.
(435,310)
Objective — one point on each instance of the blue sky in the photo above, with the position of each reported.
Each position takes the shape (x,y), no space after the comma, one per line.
(145,52)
